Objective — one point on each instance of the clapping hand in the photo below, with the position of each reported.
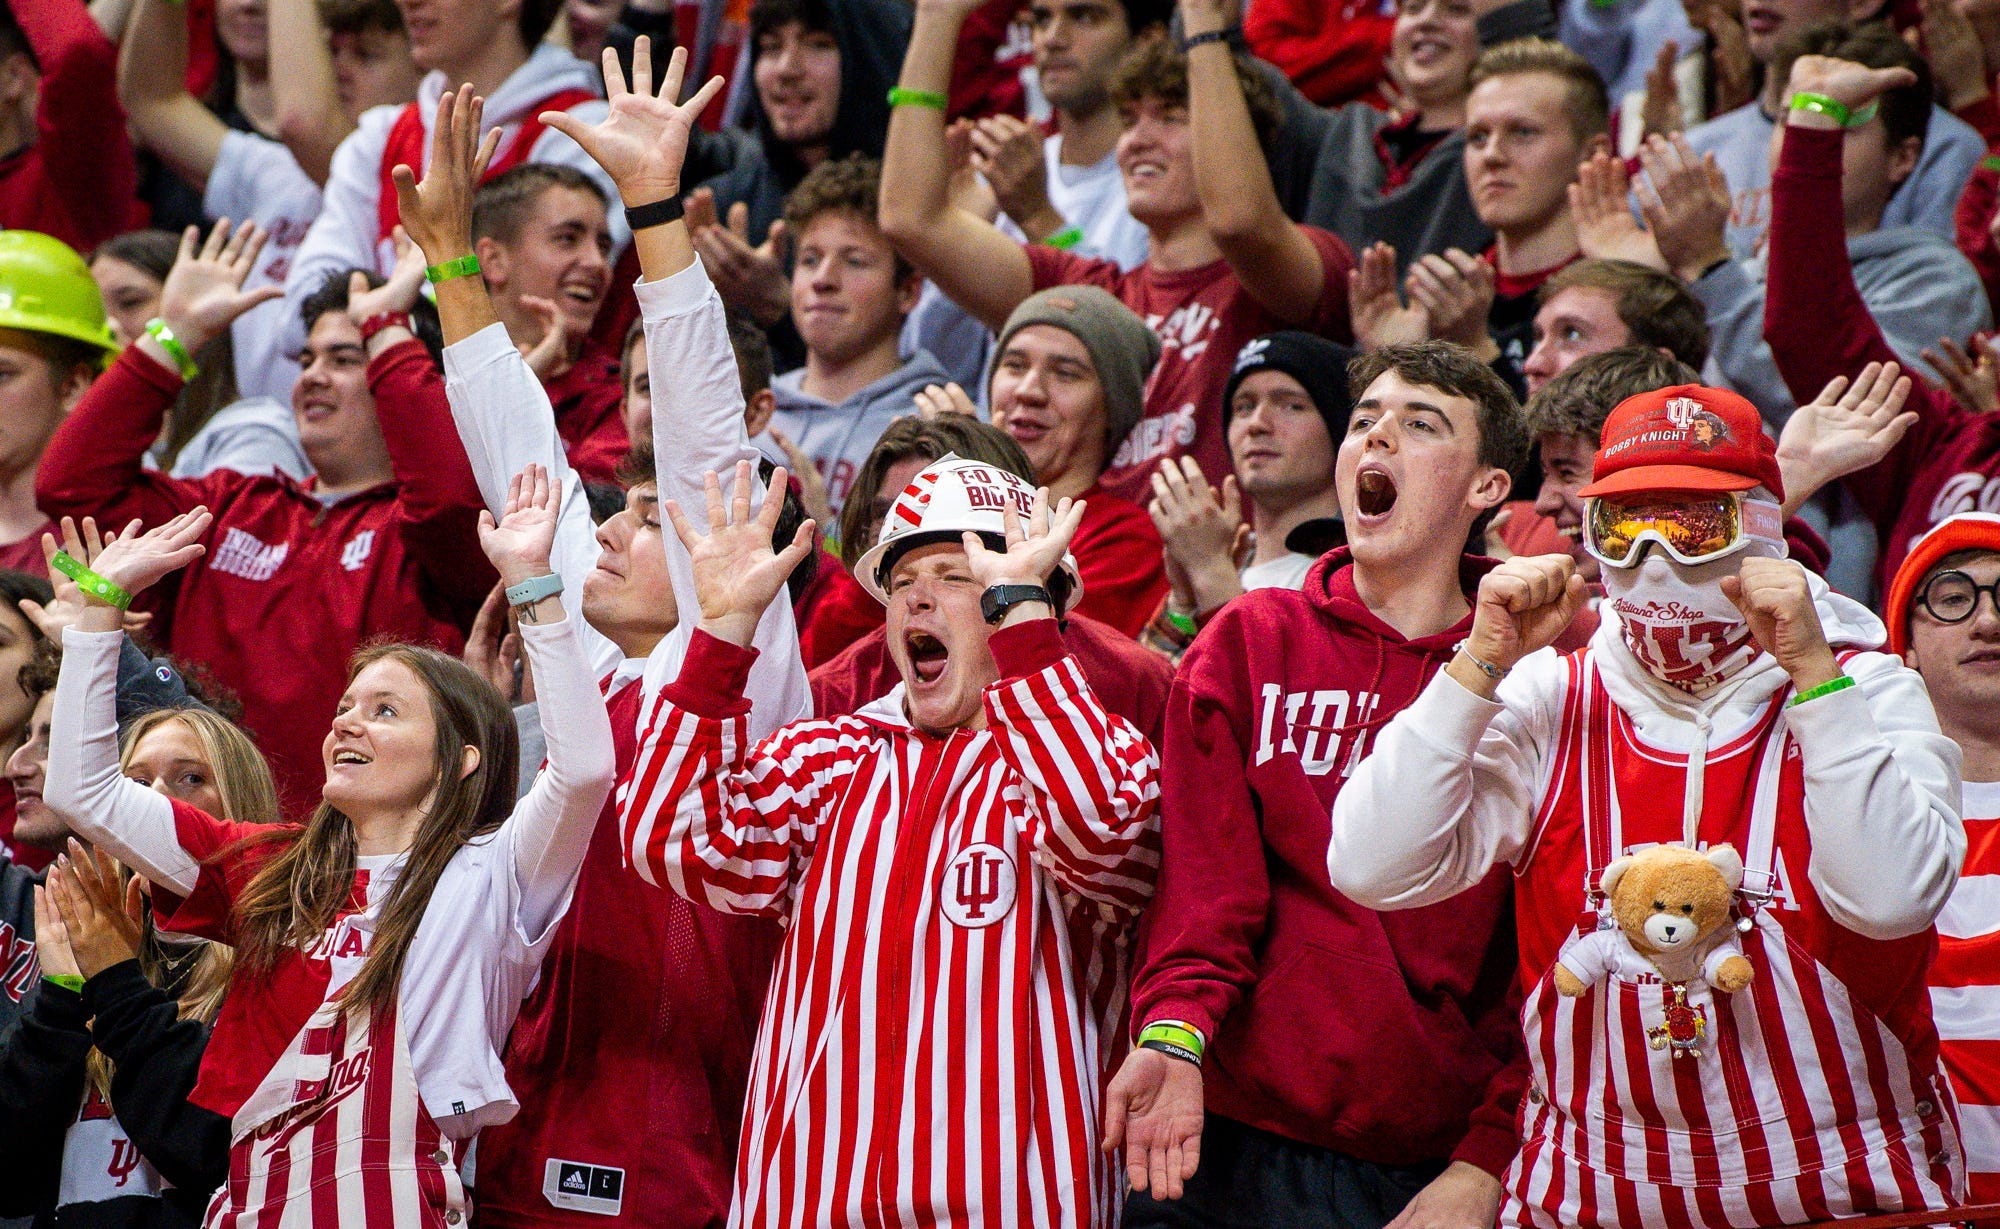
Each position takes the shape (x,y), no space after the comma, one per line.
(519,542)
(437,213)
(749,277)
(1686,202)
(203,294)
(1456,291)
(398,294)
(1974,382)
(1379,316)
(1843,430)
(493,650)
(642,140)
(1202,530)
(1605,227)
(103,922)
(736,573)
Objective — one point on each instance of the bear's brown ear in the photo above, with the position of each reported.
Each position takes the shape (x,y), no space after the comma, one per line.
(1613,873)
(1725,859)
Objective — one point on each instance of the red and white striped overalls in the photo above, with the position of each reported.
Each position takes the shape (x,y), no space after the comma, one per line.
(1817,1093)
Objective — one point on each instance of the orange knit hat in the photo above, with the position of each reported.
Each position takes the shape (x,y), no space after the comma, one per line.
(1965,531)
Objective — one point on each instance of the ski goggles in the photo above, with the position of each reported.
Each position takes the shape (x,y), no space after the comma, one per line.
(1691,527)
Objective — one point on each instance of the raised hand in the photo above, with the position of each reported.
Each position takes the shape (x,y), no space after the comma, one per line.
(1605,227)
(1686,202)
(1731,66)
(642,140)
(548,356)
(135,561)
(1850,84)
(1957,58)
(750,278)
(1661,110)
(52,937)
(736,573)
(1379,316)
(1776,600)
(1974,382)
(398,294)
(1008,152)
(1153,1110)
(1842,431)
(1201,528)
(1456,292)
(1523,605)
(67,606)
(437,213)
(1033,549)
(935,401)
(204,294)
(519,542)
(102,920)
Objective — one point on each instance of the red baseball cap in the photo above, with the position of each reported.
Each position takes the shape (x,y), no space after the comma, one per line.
(1685,438)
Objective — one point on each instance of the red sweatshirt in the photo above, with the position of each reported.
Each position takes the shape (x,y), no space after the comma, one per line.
(1391,1037)
(588,398)
(836,613)
(1122,562)
(290,585)
(79,180)
(1128,680)
(1333,50)
(633,1051)
(1818,328)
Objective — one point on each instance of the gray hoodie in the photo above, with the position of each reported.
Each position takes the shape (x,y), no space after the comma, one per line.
(839,437)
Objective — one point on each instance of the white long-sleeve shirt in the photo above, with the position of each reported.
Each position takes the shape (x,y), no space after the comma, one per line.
(1456,781)
(475,954)
(504,418)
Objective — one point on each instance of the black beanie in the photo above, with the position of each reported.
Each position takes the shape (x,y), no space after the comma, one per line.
(1317,364)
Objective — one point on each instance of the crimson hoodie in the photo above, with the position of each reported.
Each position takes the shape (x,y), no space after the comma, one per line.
(290,585)
(1390,1037)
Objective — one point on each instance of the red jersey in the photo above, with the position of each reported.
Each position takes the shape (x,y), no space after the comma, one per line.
(835,614)
(1203,317)
(1129,680)
(589,399)
(1965,990)
(1121,560)
(1334,52)
(290,585)
(26,554)
(1818,327)
(78,180)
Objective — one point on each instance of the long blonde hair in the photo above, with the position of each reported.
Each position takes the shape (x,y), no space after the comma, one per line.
(299,891)
(249,795)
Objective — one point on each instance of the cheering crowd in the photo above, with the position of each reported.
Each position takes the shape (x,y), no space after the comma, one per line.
(900,613)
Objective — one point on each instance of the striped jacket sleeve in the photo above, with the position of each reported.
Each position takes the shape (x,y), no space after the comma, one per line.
(724,822)
(1092,781)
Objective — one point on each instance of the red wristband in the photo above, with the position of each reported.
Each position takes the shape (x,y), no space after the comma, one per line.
(383,320)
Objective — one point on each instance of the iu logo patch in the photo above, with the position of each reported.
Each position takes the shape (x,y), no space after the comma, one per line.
(978,887)
(355,553)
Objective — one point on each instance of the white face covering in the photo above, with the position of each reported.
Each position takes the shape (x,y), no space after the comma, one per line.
(1677,622)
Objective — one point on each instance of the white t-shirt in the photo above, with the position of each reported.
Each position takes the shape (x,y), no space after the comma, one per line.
(259,179)
(1287,571)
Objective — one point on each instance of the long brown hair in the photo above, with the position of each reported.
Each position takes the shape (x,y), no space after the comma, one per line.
(296,894)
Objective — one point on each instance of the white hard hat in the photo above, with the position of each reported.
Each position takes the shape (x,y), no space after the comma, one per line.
(950,497)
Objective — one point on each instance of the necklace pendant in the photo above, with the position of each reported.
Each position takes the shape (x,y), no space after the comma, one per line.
(1684,1029)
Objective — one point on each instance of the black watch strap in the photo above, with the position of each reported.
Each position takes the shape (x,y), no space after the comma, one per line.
(658,213)
(997,601)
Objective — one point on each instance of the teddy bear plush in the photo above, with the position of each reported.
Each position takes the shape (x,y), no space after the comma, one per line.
(1672,906)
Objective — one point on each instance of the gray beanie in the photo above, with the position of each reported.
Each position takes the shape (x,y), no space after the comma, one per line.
(1121,347)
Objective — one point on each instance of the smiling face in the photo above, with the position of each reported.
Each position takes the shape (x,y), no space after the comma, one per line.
(34,823)
(1156,159)
(1046,394)
(450,34)
(1576,322)
(1408,473)
(845,294)
(380,755)
(1077,44)
(1960,662)
(1433,46)
(937,638)
(1521,152)
(797,73)
(131,295)
(169,759)
(561,253)
(241,28)
(1566,465)
(629,596)
(1277,441)
(372,68)
(334,407)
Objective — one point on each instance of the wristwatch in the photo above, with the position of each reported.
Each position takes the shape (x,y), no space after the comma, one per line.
(997,601)
(522,597)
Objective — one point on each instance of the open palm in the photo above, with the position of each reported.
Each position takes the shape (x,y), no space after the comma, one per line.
(1845,429)
(642,141)
(1033,549)
(134,561)
(736,573)
(203,293)
(519,542)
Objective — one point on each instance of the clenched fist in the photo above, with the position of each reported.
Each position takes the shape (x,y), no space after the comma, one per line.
(1776,601)
(1523,605)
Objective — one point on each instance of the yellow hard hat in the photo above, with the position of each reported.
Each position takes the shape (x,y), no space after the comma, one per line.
(45,287)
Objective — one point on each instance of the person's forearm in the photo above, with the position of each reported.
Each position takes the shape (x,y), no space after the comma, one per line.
(1230,174)
(551,827)
(311,122)
(915,172)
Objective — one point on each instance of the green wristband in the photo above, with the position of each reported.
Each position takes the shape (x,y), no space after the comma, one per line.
(466,264)
(1178,1036)
(918,98)
(1064,239)
(1832,108)
(1182,623)
(68,981)
(157,329)
(90,582)
(1824,689)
